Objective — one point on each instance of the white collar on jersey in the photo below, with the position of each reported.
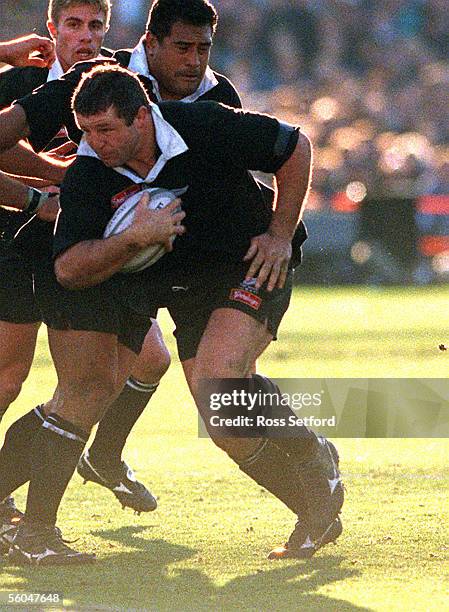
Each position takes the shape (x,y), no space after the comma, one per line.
(55,71)
(139,63)
(170,143)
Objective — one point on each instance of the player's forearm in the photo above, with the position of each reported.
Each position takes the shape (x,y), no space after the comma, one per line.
(5,52)
(293,182)
(21,51)
(20,160)
(13,193)
(92,262)
(13,127)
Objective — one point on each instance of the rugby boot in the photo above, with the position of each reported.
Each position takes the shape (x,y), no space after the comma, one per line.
(38,544)
(300,544)
(324,493)
(121,481)
(323,486)
(9,519)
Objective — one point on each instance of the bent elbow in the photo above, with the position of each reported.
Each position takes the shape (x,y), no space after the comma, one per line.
(66,277)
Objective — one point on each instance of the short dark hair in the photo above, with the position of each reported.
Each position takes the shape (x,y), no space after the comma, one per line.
(164,13)
(106,86)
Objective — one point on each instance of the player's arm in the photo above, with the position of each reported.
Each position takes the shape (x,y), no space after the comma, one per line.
(20,52)
(13,127)
(271,252)
(40,115)
(91,262)
(12,192)
(16,195)
(20,160)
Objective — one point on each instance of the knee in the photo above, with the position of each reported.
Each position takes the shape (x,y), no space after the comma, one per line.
(153,362)
(11,380)
(205,371)
(229,366)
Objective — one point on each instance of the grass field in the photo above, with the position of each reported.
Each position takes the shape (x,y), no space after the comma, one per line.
(205,547)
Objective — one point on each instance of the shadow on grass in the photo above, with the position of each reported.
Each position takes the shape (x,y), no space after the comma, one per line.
(142,579)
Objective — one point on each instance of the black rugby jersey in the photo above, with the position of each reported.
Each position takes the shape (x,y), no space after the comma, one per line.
(48,108)
(18,82)
(215,148)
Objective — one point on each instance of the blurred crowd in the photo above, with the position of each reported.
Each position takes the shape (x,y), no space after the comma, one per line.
(368,81)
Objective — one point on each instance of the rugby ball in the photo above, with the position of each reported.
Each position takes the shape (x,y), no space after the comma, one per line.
(124,215)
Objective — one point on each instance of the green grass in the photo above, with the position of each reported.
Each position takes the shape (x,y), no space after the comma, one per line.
(206,545)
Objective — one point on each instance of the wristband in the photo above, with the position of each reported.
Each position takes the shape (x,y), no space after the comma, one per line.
(36,199)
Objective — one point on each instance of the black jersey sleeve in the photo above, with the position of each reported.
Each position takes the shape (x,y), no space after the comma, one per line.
(18,82)
(235,137)
(9,80)
(48,109)
(85,204)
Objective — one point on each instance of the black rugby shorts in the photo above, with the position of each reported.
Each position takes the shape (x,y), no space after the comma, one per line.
(191,299)
(17,303)
(102,308)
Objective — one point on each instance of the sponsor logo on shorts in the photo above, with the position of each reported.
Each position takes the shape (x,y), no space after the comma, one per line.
(245,297)
(120,198)
(249,284)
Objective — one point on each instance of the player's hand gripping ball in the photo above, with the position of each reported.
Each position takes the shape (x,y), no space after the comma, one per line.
(124,216)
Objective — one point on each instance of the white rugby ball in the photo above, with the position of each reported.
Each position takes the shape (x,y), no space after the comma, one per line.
(123,217)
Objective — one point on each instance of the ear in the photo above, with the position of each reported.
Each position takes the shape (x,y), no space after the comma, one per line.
(53,30)
(151,43)
(142,115)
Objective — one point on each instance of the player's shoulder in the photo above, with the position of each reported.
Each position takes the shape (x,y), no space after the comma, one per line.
(224,92)
(30,72)
(87,173)
(73,75)
(201,124)
(18,82)
(190,118)
(201,111)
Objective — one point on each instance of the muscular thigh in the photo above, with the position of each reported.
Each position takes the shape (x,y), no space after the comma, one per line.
(90,368)
(230,344)
(194,310)
(154,358)
(17,342)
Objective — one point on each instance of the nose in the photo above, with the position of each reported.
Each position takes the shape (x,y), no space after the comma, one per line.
(193,58)
(86,34)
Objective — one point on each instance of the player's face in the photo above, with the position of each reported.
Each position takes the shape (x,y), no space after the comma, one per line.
(79,34)
(115,143)
(179,62)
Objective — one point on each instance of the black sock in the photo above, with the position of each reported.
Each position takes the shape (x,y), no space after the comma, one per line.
(272,469)
(56,451)
(15,455)
(301,442)
(116,425)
